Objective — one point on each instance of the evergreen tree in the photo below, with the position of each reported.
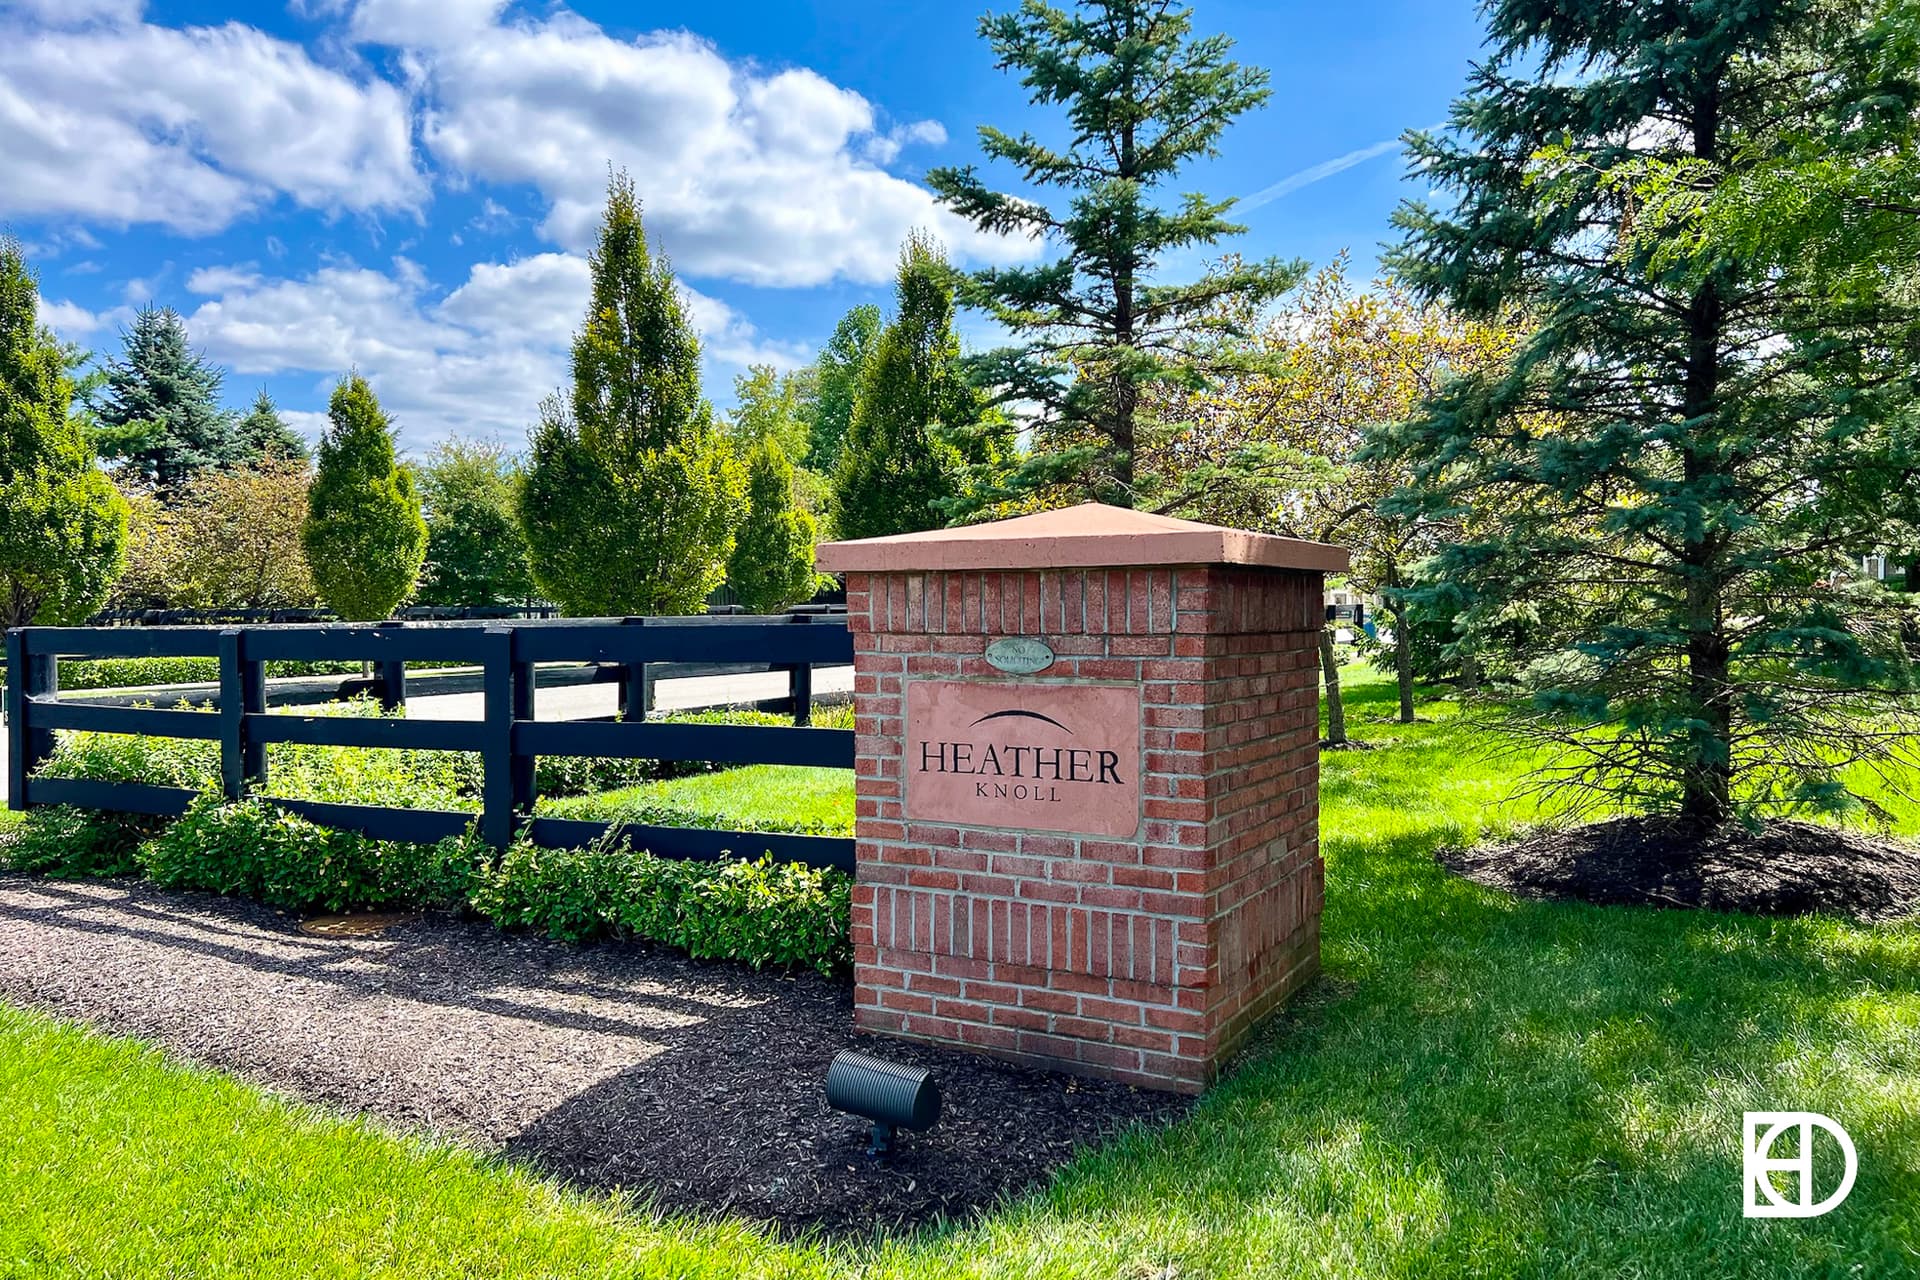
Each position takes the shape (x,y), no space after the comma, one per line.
(772,562)
(476,554)
(160,412)
(265,434)
(1690,441)
(897,464)
(364,537)
(837,383)
(631,495)
(63,525)
(1143,98)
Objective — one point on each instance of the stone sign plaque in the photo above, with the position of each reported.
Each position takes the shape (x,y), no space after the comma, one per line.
(1025,756)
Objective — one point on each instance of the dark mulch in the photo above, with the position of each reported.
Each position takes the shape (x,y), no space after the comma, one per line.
(695,1085)
(1786,868)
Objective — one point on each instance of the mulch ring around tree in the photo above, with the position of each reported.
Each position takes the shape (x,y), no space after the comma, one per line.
(696,1086)
(1785,868)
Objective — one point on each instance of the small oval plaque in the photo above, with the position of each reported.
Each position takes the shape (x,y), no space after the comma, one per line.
(1020,655)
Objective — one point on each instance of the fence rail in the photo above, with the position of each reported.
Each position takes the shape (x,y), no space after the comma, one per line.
(507,736)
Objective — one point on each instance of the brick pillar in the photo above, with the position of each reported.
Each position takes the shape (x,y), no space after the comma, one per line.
(1088,787)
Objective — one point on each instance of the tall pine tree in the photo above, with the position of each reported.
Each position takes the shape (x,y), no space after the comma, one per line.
(63,525)
(631,495)
(364,537)
(1690,443)
(897,464)
(264,434)
(1144,97)
(160,412)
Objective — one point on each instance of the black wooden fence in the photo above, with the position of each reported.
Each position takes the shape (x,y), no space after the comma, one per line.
(507,736)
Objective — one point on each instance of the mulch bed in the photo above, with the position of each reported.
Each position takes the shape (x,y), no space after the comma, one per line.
(1786,868)
(695,1085)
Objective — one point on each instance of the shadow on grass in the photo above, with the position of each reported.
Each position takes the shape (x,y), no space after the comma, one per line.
(1482,1085)
(695,1086)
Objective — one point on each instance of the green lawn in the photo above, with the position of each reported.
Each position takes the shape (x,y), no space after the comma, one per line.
(761,797)
(1478,1087)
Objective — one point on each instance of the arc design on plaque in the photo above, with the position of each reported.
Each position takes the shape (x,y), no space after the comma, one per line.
(1019,655)
(1037,757)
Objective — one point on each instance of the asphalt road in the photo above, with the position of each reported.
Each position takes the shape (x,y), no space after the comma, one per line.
(581,701)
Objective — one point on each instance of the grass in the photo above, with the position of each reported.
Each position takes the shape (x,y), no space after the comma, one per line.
(761,797)
(1477,1087)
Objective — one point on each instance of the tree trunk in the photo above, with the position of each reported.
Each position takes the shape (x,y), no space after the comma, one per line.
(1403,667)
(1336,709)
(1910,623)
(1706,784)
(1402,646)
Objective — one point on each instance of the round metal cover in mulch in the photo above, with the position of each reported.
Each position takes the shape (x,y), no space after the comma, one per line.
(361,924)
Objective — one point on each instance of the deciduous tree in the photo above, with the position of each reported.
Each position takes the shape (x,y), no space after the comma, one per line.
(363,535)
(772,562)
(476,554)
(1335,363)
(898,464)
(63,525)
(631,495)
(837,383)
(238,537)
(768,406)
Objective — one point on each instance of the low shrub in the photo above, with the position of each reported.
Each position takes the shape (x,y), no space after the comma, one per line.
(254,849)
(129,757)
(295,771)
(59,840)
(759,912)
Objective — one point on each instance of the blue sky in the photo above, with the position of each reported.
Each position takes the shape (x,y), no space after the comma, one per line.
(408,186)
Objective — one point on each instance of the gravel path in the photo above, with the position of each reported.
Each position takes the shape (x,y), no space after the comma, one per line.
(696,1084)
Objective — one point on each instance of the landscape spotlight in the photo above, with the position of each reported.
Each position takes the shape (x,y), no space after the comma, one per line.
(892,1096)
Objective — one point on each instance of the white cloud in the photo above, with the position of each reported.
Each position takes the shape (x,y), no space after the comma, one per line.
(75,13)
(70,320)
(728,338)
(123,122)
(773,178)
(476,362)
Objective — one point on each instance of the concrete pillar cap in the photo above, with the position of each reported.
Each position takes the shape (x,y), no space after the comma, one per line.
(1091,535)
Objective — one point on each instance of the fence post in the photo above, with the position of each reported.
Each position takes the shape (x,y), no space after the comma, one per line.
(233,721)
(800,683)
(497,759)
(393,677)
(523,689)
(30,676)
(243,692)
(636,690)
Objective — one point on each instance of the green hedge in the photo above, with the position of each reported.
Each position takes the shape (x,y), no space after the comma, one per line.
(758,912)
(253,849)
(761,912)
(357,775)
(139,673)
